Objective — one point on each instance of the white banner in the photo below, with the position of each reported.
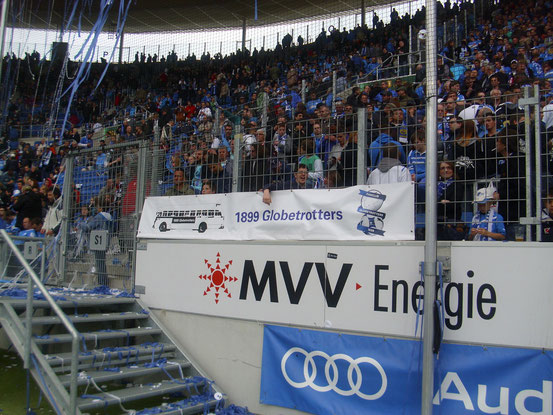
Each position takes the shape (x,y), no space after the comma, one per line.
(383,212)
(500,293)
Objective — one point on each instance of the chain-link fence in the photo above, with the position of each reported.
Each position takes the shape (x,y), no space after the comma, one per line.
(494,150)
(333,99)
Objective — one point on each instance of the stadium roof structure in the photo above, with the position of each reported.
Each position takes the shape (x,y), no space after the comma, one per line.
(189,15)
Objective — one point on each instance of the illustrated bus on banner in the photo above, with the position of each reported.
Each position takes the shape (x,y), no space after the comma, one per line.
(200,219)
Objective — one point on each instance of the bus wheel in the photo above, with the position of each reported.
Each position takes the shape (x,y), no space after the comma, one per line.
(163,227)
(202,228)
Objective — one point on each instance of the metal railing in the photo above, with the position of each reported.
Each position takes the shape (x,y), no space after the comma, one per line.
(32,281)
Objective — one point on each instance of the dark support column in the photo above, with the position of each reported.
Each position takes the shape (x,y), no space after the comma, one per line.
(121,46)
(244,34)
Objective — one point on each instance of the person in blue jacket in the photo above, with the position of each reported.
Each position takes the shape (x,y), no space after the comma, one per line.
(383,140)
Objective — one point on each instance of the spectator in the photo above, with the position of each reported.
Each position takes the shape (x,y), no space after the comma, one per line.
(450,195)
(389,169)
(298,181)
(307,157)
(487,224)
(255,170)
(468,154)
(282,143)
(208,188)
(383,139)
(28,205)
(180,187)
(53,218)
(511,187)
(217,174)
(27,231)
(101,221)
(547,217)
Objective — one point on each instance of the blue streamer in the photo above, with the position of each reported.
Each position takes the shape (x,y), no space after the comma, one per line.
(45,385)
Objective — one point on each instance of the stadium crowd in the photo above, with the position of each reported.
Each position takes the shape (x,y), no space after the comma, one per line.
(201,106)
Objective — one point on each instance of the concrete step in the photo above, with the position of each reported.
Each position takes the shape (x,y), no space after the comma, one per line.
(94,359)
(98,335)
(113,372)
(182,409)
(100,400)
(71,302)
(91,318)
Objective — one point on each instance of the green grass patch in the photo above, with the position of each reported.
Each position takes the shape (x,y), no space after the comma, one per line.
(13,388)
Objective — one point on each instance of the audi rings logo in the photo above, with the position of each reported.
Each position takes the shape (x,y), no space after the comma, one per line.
(310,373)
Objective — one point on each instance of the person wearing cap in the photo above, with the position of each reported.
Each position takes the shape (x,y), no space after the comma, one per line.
(487,224)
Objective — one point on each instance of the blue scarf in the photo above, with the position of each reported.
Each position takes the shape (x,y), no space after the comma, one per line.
(442,187)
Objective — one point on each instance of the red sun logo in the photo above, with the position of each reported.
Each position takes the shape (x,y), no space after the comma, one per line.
(218,278)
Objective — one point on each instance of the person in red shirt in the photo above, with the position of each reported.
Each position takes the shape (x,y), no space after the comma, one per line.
(190,109)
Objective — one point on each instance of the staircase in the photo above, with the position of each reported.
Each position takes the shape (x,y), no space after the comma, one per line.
(127,362)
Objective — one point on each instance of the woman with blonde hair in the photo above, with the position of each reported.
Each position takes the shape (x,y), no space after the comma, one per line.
(468,154)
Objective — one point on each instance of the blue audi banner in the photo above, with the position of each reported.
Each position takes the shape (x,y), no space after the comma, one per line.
(332,373)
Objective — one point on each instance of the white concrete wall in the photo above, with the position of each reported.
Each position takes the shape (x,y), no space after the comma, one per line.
(228,351)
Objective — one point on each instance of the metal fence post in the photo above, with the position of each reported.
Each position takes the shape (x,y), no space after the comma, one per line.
(236,164)
(528,145)
(43,262)
(3,258)
(216,124)
(466,24)
(264,116)
(333,91)
(456,31)
(67,195)
(155,164)
(361,145)
(410,59)
(139,202)
(303,91)
(537,133)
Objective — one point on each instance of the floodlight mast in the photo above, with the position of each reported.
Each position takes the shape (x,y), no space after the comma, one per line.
(430,247)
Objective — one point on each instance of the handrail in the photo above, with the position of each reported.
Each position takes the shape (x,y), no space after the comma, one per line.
(28,322)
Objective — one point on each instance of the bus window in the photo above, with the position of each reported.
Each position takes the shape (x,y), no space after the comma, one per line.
(210,213)
(164,213)
(204,212)
(218,213)
(192,213)
(187,213)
